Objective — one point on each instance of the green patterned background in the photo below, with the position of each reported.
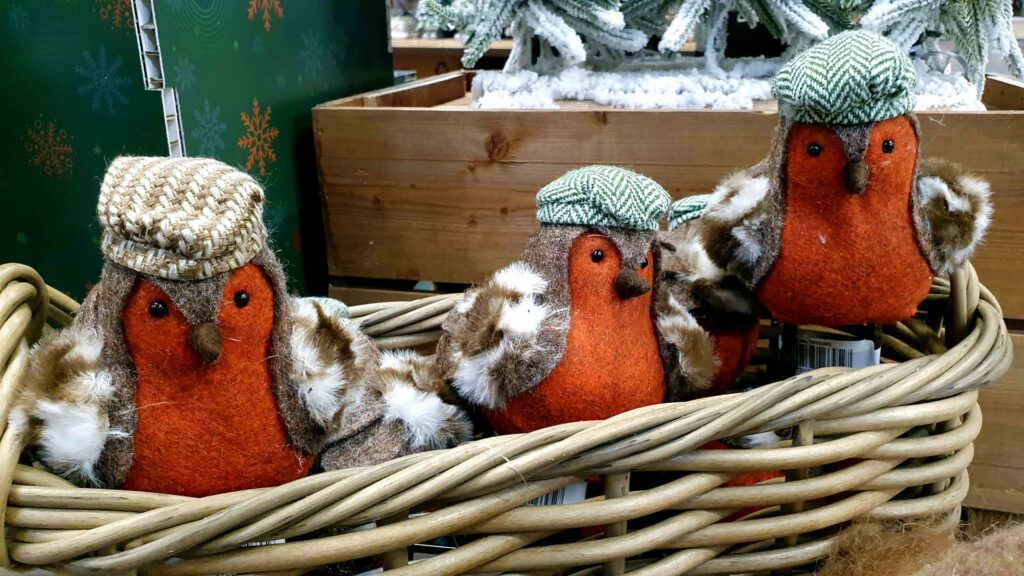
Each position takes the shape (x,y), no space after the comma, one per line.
(247,74)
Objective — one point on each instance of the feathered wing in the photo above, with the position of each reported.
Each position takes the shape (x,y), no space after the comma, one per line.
(715,297)
(699,300)
(735,230)
(504,338)
(64,404)
(954,212)
(687,350)
(372,406)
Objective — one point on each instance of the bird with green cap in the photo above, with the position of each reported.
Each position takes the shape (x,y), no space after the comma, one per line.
(571,331)
(843,223)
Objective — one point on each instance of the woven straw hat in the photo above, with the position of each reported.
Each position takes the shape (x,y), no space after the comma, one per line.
(180,218)
(603,196)
(855,77)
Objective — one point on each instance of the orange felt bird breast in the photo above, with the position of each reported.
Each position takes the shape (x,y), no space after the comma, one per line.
(207,428)
(848,258)
(611,362)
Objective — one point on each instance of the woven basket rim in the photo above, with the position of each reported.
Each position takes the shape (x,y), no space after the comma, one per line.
(478,488)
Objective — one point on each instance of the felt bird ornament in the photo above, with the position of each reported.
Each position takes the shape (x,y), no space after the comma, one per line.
(843,224)
(572,331)
(719,302)
(190,370)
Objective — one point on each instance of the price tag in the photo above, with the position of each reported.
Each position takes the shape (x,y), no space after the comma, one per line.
(571,494)
(815,349)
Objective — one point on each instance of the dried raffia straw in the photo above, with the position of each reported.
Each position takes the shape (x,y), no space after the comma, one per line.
(866,435)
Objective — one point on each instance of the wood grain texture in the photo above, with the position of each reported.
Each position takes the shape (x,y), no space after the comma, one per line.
(354,296)
(447,194)
(432,56)
(1004,93)
(997,474)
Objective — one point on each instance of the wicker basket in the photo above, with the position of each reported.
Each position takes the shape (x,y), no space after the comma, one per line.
(685,522)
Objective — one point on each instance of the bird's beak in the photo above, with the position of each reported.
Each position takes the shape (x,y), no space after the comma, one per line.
(629,284)
(855,176)
(205,340)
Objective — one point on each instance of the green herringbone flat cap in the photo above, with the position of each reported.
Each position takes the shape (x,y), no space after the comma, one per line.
(686,209)
(855,77)
(603,196)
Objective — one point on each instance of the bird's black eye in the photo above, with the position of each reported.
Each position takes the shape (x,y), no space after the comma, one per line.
(158,309)
(241,298)
(888,146)
(597,255)
(643,264)
(814,149)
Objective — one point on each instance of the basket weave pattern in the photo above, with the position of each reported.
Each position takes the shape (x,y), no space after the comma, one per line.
(689,522)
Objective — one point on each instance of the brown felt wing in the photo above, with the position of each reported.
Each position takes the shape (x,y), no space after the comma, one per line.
(503,338)
(688,352)
(955,212)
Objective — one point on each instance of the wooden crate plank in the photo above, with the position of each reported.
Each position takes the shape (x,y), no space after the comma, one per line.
(420,234)
(354,296)
(997,473)
(417,94)
(1004,93)
(447,195)
(486,177)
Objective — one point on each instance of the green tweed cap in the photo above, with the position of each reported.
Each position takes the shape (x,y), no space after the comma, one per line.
(855,77)
(603,196)
(686,209)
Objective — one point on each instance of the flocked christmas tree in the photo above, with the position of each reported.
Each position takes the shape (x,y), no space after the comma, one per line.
(602,34)
(974,26)
(559,25)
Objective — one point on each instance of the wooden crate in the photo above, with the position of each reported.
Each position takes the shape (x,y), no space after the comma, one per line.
(433,56)
(416,185)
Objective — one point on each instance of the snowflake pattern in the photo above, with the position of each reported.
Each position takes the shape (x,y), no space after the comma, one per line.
(117,12)
(257,45)
(281,80)
(259,137)
(101,80)
(314,54)
(209,130)
(268,8)
(17,19)
(184,74)
(49,149)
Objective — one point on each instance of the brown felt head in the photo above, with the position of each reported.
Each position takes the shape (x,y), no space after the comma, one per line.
(204,310)
(207,424)
(843,209)
(605,278)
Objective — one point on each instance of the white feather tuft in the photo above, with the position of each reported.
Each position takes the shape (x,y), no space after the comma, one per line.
(464,305)
(522,318)
(304,312)
(472,378)
(749,250)
(398,359)
(71,437)
(93,386)
(320,394)
(518,277)
(751,191)
(422,414)
(87,349)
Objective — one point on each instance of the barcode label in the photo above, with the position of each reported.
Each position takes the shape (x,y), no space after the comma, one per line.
(820,350)
(571,494)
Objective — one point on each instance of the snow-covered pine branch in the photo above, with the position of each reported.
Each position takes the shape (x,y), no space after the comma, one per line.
(558,34)
(568,28)
(688,14)
(974,26)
